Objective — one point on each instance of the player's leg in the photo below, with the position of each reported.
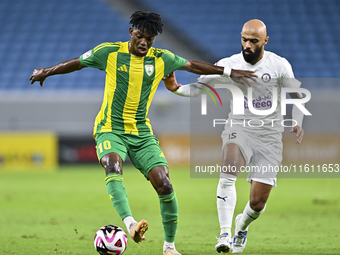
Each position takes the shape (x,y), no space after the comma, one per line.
(148,157)
(159,178)
(226,194)
(236,154)
(112,152)
(267,153)
(259,194)
(112,164)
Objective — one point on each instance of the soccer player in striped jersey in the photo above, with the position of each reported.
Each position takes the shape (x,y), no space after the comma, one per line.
(133,72)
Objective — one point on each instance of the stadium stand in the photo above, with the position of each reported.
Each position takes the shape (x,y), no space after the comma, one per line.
(41,33)
(304,32)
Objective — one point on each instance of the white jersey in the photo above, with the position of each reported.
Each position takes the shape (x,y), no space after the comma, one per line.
(273,71)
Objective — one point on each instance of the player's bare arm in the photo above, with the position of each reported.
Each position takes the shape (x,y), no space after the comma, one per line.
(40,74)
(298,130)
(198,67)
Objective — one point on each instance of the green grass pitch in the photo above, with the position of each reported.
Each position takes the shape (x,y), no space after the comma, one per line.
(59,213)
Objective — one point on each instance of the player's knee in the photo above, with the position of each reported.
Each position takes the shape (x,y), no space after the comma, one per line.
(111,167)
(257,204)
(112,164)
(159,177)
(164,188)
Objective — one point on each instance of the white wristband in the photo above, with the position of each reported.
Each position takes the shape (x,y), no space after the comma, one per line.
(226,71)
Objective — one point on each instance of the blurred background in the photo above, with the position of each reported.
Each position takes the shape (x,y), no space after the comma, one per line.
(45,127)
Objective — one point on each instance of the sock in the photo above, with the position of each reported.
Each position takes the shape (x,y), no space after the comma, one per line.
(169,212)
(168,244)
(117,193)
(226,201)
(248,216)
(128,221)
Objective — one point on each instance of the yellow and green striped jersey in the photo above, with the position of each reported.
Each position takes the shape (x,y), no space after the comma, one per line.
(130,85)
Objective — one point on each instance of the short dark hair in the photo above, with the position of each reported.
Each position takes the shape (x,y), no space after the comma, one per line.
(149,21)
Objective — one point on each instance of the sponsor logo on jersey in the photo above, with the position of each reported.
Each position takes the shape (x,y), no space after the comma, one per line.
(260,102)
(149,69)
(266,77)
(87,54)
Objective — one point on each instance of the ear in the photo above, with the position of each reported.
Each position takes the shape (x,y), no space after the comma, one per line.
(130,31)
(266,40)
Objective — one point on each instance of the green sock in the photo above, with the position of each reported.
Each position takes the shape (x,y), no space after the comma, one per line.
(117,193)
(169,212)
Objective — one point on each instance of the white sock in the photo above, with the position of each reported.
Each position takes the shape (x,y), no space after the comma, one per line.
(167,244)
(226,201)
(128,220)
(248,216)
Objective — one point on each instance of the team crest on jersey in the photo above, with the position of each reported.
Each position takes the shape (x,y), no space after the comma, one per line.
(266,77)
(149,69)
(87,54)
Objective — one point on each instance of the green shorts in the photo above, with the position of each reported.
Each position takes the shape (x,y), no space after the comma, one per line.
(143,150)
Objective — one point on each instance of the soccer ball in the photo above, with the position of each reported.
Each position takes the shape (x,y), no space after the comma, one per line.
(110,239)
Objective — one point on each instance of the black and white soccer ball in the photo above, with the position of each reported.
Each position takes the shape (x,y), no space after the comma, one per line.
(110,239)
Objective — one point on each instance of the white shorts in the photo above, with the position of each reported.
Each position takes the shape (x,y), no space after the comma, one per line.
(262,153)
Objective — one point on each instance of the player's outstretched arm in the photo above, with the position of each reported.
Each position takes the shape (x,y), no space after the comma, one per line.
(199,67)
(40,74)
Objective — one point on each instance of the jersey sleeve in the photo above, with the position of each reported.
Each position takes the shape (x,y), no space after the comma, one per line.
(172,62)
(97,57)
(287,76)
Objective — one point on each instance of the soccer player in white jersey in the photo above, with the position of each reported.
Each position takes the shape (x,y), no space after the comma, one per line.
(245,145)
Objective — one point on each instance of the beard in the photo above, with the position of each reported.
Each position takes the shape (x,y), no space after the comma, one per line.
(253,56)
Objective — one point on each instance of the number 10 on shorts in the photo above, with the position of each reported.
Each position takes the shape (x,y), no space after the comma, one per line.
(106,145)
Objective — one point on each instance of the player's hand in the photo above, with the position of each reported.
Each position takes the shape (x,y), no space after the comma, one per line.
(242,76)
(299,133)
(171,82)
(38,75)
